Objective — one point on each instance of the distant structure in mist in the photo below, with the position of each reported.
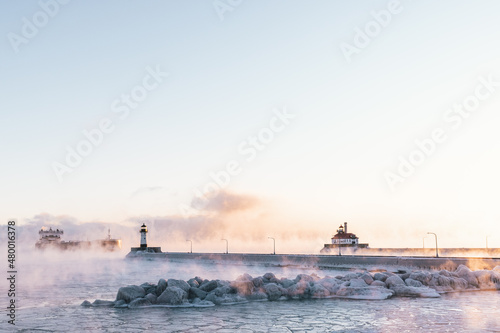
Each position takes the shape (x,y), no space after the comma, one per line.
(343,239)
(51,239)
(144,245)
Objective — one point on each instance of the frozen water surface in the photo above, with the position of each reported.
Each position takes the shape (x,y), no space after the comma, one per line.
(52,287)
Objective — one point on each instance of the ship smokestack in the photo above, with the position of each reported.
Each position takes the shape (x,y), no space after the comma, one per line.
(345,227)
(143,232)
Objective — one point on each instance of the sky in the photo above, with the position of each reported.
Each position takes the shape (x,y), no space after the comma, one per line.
(253,119)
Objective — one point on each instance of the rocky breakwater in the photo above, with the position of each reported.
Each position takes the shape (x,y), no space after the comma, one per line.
(198,292)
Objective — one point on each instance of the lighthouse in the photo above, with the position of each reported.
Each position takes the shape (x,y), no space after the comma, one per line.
(144,231)
(144,248)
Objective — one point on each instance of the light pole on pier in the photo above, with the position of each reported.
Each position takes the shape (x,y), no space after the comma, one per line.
(274,244)
(188,240)
(226,245)
(431,233)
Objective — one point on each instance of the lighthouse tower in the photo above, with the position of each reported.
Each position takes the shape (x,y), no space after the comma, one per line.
(143,232)
(144,248)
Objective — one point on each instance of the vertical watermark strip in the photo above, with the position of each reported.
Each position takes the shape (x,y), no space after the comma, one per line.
(11,272)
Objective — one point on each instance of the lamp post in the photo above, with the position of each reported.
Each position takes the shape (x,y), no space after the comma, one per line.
(274,244)
(226,245)
(188,240)
(431,233)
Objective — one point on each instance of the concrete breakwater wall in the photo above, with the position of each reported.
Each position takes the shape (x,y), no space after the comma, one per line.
(324,261)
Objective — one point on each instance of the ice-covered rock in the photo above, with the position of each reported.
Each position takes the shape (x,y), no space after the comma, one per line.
(299,290)
(196,293)
(172,296)
(367,278)
(161,286)
(151,297)
(193,283)
(357,283)
(100,302)
(413,283)
(317,290)
(120,304)
(208,286)
(86,303)
(408,291)
(179,284)
(378,283)
(273,292)
(139,302)
(380,276)
(394,281)
(465,273)
(243,287)
(330,284)
(130,293)
(365,292)
(286,282)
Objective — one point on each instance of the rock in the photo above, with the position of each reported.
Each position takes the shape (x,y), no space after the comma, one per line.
(365,292)
(367,278)
(120,304)
(179,284)
(378,283)
(422,277)
(172,296)
(244,277)
(272,291)
(193,283)
(258,282)
(223,290)
(148,287)
(86,303)
(299,290)
(350,276)
(303,278)
(404,290)
(199,280)
(197,293)
(160,288)
(413,283)
(485,279)
(380,277)
(269,276)
(200,303)
(151,297)
(100,302)
(139,302)
(208,286)
(465,273)
(330,284)
(357,283)
(286,282)
(319,291)
(394,281)
(130,293)
(257,296)
(243,287)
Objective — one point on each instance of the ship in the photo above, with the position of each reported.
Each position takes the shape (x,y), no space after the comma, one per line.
(52,239)
(343,239)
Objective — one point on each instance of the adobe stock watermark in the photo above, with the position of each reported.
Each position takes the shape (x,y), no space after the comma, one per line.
(121,107)
(453,118)
(223,6)
(247,150)
(371,30)
(31,26)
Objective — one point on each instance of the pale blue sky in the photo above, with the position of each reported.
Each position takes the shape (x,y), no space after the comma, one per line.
(352,120)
